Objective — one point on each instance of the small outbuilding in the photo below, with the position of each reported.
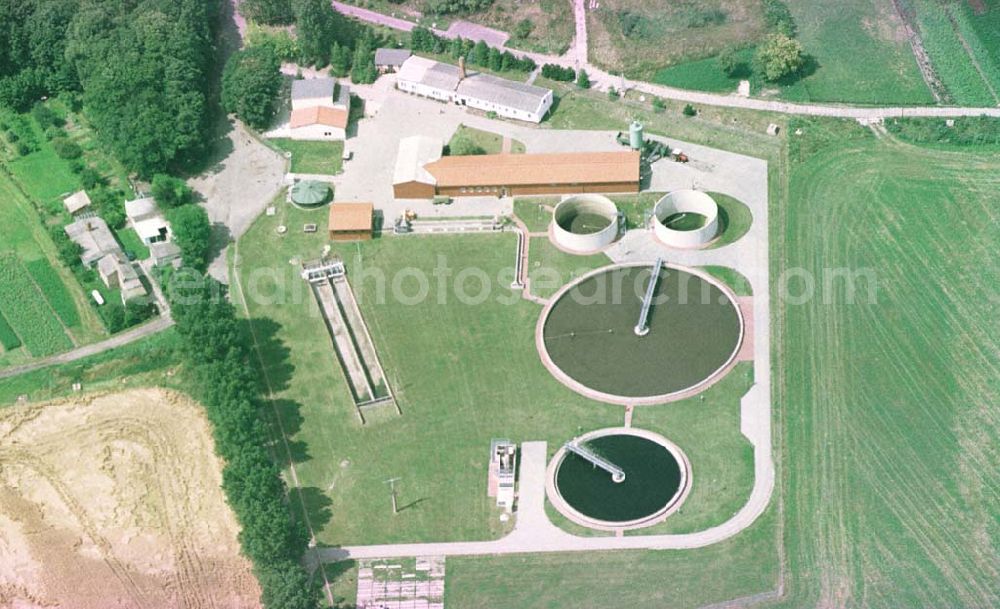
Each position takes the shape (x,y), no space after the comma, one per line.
(117,273)
(351,221)
(78,201)
(164,253)
(390,60)
(147,220)
(321,109)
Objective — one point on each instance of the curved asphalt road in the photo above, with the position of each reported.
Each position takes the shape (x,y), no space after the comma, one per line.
(576,57)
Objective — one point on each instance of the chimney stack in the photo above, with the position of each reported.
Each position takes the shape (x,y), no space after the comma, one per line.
(461,68)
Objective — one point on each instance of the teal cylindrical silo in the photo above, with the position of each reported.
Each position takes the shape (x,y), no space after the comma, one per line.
(635,135)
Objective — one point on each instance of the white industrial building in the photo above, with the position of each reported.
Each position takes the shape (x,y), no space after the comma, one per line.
(321,109)
(453,84)
(147,220)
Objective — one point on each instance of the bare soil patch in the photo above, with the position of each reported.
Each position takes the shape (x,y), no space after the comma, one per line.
(114,500)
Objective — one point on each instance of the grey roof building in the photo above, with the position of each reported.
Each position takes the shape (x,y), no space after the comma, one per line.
(449,83)
(391,58)
(94,236)
(313,88)
(503,92)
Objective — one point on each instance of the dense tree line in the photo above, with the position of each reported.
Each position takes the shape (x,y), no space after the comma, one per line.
(268,12)
(218,351)
(423,40)
(251,83)
(446,7)
(142,66)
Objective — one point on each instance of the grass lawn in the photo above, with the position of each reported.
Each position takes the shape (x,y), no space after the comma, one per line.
(732,278)
(491,143)
(734,219)
(535,212)
(132,244)
(149,362)
(892,441)
(685,579)
(703,75)
(835,35)
(313,157)
(550,268)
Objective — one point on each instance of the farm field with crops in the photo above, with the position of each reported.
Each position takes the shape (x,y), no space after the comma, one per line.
(893,387)
(43,304)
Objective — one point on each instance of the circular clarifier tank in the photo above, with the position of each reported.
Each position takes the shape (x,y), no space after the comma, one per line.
(653,479)
(587,334)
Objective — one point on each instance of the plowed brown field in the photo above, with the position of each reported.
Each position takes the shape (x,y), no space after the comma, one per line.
(114,501)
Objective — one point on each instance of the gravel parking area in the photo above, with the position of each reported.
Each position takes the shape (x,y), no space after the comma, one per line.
(237,188)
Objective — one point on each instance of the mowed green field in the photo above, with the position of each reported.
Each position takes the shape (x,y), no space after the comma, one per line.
(861,54)
(891,424)
(313,156)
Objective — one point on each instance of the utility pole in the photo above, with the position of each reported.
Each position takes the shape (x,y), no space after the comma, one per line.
(392,491)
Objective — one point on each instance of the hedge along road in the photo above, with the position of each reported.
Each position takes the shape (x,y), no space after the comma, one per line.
(576,57)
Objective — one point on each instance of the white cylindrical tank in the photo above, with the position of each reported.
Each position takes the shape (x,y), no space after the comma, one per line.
(584,223)
(680,202)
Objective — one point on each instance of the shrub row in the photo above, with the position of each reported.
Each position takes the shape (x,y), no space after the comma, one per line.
(556,72)
(218,351)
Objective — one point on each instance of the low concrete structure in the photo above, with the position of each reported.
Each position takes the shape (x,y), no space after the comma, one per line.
(454,84)
(566,232)
(321,109)
(681,202)
(351,221)
(96,239)
(502,473)
(148,221)
(78,201)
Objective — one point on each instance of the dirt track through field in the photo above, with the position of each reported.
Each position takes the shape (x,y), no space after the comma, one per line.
(115,501)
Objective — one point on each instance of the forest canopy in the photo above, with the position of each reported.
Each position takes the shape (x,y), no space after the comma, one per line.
(142,68)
